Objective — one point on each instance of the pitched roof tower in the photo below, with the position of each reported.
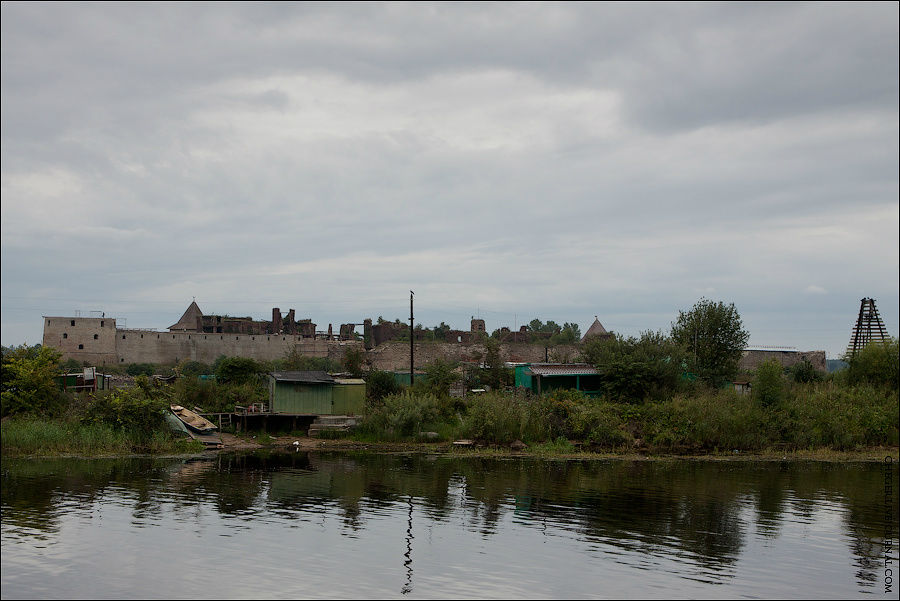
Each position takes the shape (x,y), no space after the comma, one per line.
(188,321)
(596,329)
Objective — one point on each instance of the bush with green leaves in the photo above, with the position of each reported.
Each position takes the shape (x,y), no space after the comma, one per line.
(237,370)
(496,418)
(878,364)
(600,424)
(139,409)
(440,376)
(140,369)
(297,361)
(29,381)
(192,369)
(768,384)
(804,372)
(353,360)
(401,416)
(380,384)
(634,369)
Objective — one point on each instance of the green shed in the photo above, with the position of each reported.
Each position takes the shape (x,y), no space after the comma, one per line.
(545,377)
(349,396)
(315,393)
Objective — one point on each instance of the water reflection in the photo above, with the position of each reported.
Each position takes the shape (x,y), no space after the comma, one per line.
(708,523)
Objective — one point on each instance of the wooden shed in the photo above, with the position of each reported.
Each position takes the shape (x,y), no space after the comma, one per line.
(315,393)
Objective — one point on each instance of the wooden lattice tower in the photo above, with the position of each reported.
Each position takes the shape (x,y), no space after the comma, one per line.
(868,328)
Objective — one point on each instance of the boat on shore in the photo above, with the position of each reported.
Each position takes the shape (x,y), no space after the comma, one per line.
(194,421)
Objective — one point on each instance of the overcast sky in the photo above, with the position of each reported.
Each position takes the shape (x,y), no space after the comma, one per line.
(508,161)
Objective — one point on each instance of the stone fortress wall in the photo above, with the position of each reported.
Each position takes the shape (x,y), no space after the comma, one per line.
(196,337)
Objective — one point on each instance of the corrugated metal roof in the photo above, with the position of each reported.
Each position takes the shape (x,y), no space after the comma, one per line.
(307,377)
(563,369)
(349,381)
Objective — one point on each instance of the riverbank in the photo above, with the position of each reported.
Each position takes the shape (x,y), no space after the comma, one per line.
(291,444)
(288,443)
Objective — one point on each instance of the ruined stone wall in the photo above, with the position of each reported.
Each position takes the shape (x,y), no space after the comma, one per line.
(750,360)
(394,356)
(90,340)
(137,346)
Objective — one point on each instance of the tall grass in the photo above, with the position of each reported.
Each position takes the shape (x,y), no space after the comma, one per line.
(45,437)
(806,416)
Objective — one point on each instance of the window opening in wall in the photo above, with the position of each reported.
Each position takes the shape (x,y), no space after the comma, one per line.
(80,347)
(65,335)
(48,322)
(284,338)
(122,360)
(173,336)
(189,336)
(101,324)
(253,338)
(157,335)
(96,337)
(73,322)
(123,336)
(236,338)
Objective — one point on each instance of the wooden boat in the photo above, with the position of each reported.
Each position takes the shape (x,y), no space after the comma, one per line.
(192,420)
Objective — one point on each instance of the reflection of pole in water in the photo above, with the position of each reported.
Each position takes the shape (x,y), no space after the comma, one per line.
(407,588)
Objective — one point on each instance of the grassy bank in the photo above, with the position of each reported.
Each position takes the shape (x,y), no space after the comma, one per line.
(808,416)
(54,437)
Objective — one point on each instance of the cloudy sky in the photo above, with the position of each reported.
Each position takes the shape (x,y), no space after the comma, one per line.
(509,161)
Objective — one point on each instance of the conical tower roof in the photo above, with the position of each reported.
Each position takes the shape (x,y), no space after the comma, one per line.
(188,321)
(596,329)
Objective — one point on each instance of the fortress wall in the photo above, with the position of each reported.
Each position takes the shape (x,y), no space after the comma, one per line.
(750,360)
(95,335)
(137,346)
(394,356)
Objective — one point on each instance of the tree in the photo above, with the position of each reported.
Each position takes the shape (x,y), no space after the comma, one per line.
(804,372)
(237,370)
(494,373)
(878,363)
(353,361)
(440,376)
(380,384)
(768,385)
(632,369)
(714,337)
(28,380)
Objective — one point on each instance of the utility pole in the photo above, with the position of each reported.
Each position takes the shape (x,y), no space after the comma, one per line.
(412,341)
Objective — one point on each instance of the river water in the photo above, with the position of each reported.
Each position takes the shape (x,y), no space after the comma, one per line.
(385,525)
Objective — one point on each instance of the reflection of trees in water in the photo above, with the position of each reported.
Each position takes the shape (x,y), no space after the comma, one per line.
(692,507)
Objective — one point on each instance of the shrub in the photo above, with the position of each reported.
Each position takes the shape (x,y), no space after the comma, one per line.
(440,375)
(599,424)
(28,381)
(768,385)
(495,418)
(401,416)
(353,360)
(140,369)
(634,369)
(804,372)
(192,369)
(380,384)
(139,409)
(237,370)
(877,364)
